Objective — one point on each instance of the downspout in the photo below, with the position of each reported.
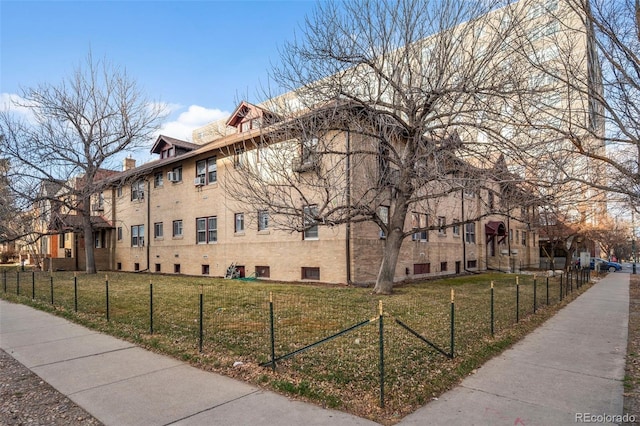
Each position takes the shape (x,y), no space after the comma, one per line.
(348,227)
(464,232)
(148,224)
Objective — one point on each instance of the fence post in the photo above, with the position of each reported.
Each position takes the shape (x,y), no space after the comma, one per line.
(492,315)
(33,285)
(381,346)
(272,328)
(535,294)
(51,287)
(517,301)
(453,321)
(150,307)
(201,333)
(18,283)
(106,285)
(547,290)
(75,292)
(4,280)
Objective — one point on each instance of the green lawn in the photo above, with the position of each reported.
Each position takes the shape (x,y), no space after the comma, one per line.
(342,373)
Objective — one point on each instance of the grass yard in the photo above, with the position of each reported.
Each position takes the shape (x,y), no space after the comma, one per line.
(342,373)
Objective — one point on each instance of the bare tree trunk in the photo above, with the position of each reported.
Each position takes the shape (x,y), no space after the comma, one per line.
(384,282)
(393,243)
(88,243)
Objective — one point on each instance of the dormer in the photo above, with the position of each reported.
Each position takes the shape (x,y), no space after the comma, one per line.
(249,117)
(168,147)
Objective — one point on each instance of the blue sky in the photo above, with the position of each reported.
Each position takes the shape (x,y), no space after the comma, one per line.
(200,57)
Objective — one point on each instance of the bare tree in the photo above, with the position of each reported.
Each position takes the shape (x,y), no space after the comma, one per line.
(392,106)
(606,133)
(69,138)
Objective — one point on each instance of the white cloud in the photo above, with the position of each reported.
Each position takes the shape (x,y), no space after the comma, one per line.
(15,104)
(195,116)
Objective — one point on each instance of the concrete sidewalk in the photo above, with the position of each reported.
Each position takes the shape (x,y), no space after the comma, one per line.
(573,364)
(121,384)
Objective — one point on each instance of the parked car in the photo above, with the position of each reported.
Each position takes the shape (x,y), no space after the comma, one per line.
(605,265)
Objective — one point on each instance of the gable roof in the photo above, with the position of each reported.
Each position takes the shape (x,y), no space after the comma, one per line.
(163,141)
(247,110)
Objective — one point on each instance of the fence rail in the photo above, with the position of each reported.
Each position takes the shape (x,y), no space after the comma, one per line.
(316,331)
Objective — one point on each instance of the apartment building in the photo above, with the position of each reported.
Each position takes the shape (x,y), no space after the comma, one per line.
(175,215)
(180,214)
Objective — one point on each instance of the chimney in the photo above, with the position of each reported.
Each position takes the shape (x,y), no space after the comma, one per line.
(128,164)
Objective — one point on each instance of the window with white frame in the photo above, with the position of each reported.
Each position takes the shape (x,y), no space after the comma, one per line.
(383,214)
(137,236)
(442,225)
(238,223)
(470,233)
(177,228)
(263,220)
(456,228)
(137,190)
(207,171)
(309,151)
(158,180)
(207,230)
(158,230)
(419,220)
(311,225)
(175,175)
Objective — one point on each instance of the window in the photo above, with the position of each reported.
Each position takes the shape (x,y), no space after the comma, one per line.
(136,266)
(472,263)
(158,230)
(137,236)
(442,223)
(524,238)
(491,201)
(137,190)
(239,223)
(245,126)
(206,230)
(238,157)
(469,192)
(119,231)
(263,271)
(207,171)
(212,170)
(310,223)
(205,269)
(176,268)
(119,266)
(175,175)
(119,191)
(443,266)
(421,268)
(158,180)
(177,228)
(61,238)
(383,214)
(263,220)
(310,273)
(419,220)
(158,267)
(309,151)
(517,235)
(510,235)
(470,233)
(456,228)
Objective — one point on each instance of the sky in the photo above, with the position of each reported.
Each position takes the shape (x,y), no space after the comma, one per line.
(199,57)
